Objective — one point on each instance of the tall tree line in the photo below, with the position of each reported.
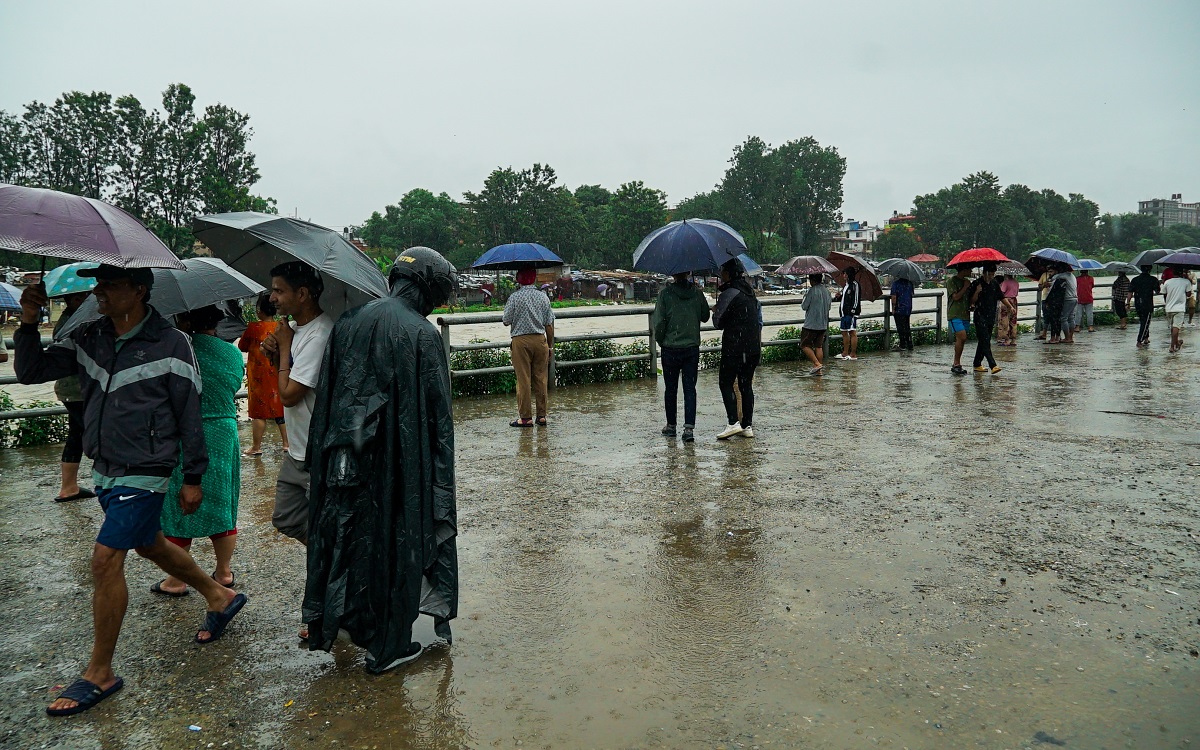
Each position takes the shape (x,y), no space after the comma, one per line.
(164,167)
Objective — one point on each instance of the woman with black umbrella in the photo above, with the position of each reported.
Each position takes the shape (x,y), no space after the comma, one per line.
(739,317)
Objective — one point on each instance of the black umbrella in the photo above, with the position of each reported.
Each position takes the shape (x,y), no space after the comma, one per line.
(1150,257)
(902,269)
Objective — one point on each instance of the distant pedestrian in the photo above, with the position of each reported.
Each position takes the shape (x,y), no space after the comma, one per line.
(1120,299)
(1044,283)
(902,303)
(1175,295)
(531,319)
(1070,302)
(1083,311)
(221,370)
(680,309)
(262,383)
(1052,309)
(849,308)
(816,304)
(1142,289)
(1191,299)
(1007,311)
(71,395)
(985,297)
(958,311)
(141,397)
(738,315)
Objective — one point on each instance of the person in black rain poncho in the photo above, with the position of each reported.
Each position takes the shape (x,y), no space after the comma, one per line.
(383,520)
(739,317)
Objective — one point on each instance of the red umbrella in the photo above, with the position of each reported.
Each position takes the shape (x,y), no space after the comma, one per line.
(868,282)
(924,258)
(977,256)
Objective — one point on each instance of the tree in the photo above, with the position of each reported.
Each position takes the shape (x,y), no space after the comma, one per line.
(420,218)
(525,206)
(635,211)
(13,149)
(227,166)
(809,192)
(750,191)
(710,205)
(898,241)
(136,156)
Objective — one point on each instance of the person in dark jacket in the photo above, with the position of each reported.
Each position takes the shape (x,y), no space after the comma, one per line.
(1052,308)
(902,302)
(678,313)
(383,522)
(985,297)
(739,317)
(141,395)
(849,308)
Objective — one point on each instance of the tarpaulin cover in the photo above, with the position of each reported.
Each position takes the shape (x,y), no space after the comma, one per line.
(383,521)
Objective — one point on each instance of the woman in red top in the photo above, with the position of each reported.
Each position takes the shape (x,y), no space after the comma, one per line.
(1083,287)
(261,382)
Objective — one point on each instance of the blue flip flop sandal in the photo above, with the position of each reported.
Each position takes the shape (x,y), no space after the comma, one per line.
(216,622)
(85,694)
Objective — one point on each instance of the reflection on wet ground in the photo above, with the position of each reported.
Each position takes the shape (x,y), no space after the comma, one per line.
(899,559)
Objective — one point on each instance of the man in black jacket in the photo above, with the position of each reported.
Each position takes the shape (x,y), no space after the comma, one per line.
(141,393)
(739,317)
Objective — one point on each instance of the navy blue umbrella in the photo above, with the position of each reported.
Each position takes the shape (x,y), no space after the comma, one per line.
(517,255)
(688,245)
(1054,255)
(1087,264)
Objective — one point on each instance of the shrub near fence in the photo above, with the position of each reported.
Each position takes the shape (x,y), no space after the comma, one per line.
(23,433)
(571,351)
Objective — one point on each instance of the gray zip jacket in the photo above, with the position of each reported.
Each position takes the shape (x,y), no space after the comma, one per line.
(141,403)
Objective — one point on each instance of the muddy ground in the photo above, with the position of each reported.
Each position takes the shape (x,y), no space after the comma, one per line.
(899,559)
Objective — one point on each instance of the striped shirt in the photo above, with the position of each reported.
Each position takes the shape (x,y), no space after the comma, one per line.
(528,311)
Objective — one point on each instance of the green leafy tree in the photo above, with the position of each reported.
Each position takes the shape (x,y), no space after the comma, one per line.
(13,157)
(420,218)
(751,192)
(898,241)
(710,205)
(635,211)
(808,192)
(525,206)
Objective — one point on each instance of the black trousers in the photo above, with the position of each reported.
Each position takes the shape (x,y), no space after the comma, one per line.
(73,450)
(738,365)
(904,330)
(983,342)
(683,361)
(1145,314)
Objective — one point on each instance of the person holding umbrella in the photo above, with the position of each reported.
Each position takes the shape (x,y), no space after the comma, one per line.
(1120,298)
(738,316)
(1176,291)
(531,320)
(678,313)
(902,302)
(1070,302)
(816,304)
(850,307)
(142,404)
(1142,289)
(984,298)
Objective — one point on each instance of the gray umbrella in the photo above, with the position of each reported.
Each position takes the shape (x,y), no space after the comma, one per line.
(1116,266)
(1150,257)
(902,269)
(254,243)
(203,282)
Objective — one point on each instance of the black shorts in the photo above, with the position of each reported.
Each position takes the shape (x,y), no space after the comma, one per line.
(811,339)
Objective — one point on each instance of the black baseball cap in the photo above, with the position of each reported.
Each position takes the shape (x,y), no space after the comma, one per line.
(105,272)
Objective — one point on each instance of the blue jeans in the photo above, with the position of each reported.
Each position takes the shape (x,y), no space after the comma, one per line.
(685,361)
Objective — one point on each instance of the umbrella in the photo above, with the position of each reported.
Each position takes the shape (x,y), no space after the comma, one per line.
(1013,268)
(1182,258)
(10,298)
(1116,266)
(66,280)
(254,243)
(803,265)
(1054,255)
(688,245)
(517,255)
(1150,257)
(752,267)
(1087,264)
(923,258)
(868,282)
(203,282)
(902,269)
(977,256)
(61,225)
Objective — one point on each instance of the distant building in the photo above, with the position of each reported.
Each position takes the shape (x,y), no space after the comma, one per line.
(898,218)
(1171,211)
(854,237)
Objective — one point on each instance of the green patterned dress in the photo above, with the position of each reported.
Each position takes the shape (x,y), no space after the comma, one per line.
(221,371)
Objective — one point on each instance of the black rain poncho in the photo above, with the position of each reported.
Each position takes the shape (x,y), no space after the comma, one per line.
(383,521)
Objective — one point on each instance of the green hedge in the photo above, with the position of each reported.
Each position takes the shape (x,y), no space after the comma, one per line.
(23,433)
(571,351)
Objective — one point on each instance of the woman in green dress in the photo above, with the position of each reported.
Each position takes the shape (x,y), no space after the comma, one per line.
(221,371)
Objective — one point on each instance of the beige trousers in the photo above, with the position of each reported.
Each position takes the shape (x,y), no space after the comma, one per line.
(531,358)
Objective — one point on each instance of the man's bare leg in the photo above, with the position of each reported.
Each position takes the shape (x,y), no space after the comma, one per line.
(176,562)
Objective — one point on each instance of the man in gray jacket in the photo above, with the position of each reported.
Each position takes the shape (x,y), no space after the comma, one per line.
(141,393)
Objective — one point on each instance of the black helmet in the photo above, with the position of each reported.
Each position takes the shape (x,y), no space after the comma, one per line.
(437,277)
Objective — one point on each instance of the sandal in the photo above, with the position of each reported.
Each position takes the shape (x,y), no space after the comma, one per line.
(216,622)
(251,454)
(81,495)
(540,421)
(232,580)
(85,694)
(158,589)
(521,423)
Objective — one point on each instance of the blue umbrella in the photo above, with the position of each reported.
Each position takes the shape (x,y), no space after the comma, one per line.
(1087,264)
(10,298)
(517,255)
(66,280)
(748,263)
(688,245)
(1054,255)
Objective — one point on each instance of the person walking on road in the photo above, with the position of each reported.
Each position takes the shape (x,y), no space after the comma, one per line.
(1176,291)
(262,383)
(1006,333)
(958,311)
(1044,283)
(531,320)
(1070,302)
(902,302)
(738,315)
(1083,311)
(816,304)
(1142,289)
(678,313)
(221,370)
(984,298)
(141,397)
(69,393)
(849,308)
(1120,299)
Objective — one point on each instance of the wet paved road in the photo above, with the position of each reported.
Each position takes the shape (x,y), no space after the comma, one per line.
(899,559)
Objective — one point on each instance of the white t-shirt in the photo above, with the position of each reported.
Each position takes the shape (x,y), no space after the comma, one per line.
(308,349)
(1175,292)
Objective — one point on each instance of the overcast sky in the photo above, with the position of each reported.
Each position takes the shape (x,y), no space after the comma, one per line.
(354,103)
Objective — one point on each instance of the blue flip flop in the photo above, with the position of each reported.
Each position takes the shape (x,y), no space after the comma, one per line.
(216,622)
(85,694)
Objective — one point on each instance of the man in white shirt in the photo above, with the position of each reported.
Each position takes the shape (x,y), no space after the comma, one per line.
(1175,294)
(296,348)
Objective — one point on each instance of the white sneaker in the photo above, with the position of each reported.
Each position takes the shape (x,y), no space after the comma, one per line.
(748,432)
(730,431)
(840,356)
(852,359)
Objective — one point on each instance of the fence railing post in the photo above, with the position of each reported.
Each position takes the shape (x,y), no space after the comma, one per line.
(1037,311)
(887,322)
(446,344)
(937,334)
(653,355)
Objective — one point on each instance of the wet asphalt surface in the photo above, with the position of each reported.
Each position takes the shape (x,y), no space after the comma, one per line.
(900,558)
